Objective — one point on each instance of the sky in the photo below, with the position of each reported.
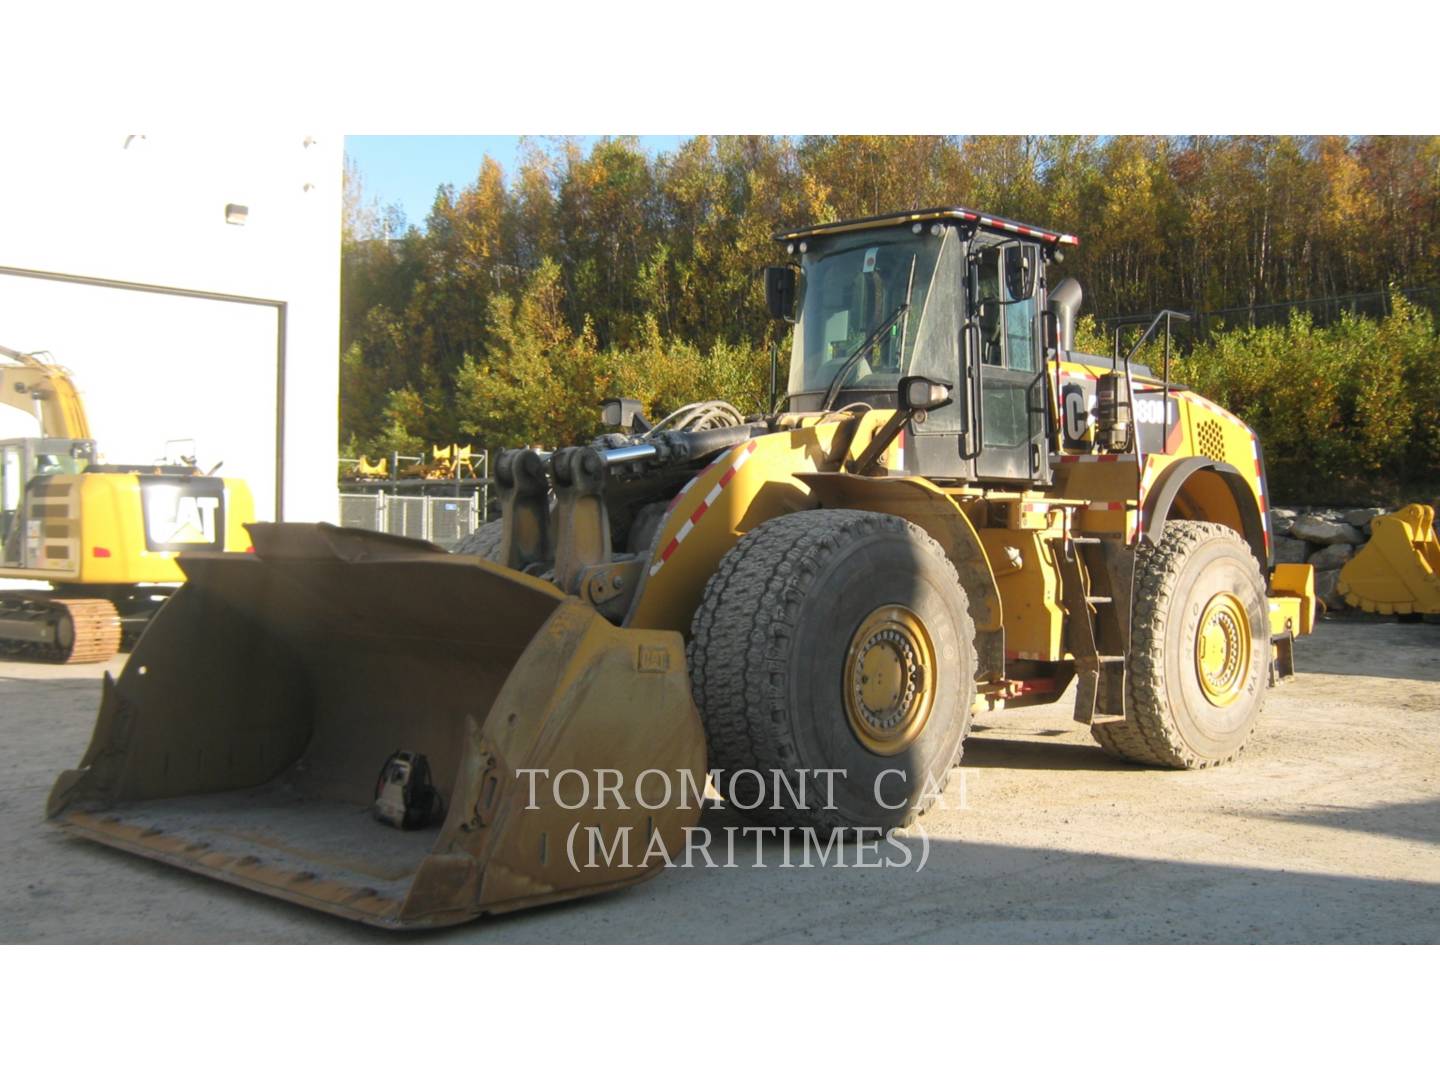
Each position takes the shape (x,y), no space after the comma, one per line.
(406,169)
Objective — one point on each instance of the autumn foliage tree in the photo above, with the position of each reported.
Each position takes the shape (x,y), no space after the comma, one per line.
(525,299)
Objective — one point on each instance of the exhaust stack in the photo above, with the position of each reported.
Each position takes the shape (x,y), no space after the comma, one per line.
(1065,305)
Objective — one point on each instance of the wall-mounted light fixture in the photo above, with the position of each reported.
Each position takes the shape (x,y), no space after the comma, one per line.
(235,214)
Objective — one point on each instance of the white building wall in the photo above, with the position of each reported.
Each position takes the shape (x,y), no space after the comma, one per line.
(156,366)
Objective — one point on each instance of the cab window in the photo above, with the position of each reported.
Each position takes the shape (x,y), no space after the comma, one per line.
(1007,330)
(1019,314)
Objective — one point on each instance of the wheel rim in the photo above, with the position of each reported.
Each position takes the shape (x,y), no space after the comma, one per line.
(889,679)
(1222,649)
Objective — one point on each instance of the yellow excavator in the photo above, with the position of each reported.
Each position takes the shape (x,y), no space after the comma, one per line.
(950,510)
(105,537)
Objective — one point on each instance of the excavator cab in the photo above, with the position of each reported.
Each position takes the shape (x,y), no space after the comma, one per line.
(103,536)
(24,466)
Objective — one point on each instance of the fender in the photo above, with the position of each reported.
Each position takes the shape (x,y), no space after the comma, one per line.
(1162,495)
(917,500)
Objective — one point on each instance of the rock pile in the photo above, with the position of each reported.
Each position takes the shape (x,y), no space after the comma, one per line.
(1325,538)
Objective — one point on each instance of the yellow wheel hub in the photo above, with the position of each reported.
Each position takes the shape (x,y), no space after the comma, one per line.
(889,679)
(1222,649)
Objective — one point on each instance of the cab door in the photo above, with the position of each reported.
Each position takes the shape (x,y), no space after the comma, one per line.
(1010,396)
(12,504)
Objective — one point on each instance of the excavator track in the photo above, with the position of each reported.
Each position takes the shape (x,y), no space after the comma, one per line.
(81,631)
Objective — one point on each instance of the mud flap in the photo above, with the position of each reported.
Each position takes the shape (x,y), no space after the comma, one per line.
(243,738)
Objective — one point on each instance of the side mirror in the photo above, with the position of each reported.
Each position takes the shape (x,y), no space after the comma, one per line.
(625,413)
(920,394)
(780,292)
(1021,271)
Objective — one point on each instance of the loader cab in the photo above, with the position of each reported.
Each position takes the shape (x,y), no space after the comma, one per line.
(950,294)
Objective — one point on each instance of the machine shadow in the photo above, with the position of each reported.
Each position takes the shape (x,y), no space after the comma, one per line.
(963,893)
(971,893)
(994,750)
(1373,645)
(1417,820)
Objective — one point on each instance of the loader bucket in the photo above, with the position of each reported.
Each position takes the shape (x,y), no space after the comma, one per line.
(1398,572)
(244,737)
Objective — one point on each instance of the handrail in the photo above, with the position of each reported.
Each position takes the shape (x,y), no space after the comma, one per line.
(1165,316)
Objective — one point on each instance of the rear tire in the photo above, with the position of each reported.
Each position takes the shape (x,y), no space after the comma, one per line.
(484,541)
(834,639)
(1199,651)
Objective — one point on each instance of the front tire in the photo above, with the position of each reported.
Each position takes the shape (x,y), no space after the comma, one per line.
(834,640)
(484,541)
(1199,651)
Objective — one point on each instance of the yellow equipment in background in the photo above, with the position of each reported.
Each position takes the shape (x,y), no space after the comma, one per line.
(1398,572)
(451,462)
(365,469)
(949,511)
(104,536)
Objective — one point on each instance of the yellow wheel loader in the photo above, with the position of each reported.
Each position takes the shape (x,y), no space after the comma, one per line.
(951,511)
(104,536)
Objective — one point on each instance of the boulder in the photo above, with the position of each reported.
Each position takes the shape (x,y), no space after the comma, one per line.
(1332,557)
(1290,550)
(1281,520)
(1361,518)
(1317,530)
(1327,588)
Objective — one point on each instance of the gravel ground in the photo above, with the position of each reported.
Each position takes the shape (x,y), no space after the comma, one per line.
(1326,830)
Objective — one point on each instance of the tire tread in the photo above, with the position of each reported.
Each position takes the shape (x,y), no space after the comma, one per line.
(738,649)
(1148,733)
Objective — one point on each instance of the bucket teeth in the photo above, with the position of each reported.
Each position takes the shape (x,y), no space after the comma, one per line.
(1398,571)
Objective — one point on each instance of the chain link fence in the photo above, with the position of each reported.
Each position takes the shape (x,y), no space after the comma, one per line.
(440,519)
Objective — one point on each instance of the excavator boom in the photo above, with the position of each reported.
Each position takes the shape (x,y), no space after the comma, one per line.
(46,392)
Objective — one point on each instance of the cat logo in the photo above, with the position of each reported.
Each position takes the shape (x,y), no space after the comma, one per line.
(175,517)
(654,659)
(1076,401)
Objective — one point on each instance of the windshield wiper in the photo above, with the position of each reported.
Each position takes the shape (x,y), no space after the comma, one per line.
(854,357)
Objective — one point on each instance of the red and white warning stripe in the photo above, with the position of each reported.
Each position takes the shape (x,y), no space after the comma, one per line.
(1111,506)
(1025,230)
(688,485)
(1211,407)
(1260,485)
(710,496)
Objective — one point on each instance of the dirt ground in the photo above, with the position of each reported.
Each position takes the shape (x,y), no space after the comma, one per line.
(1326,830)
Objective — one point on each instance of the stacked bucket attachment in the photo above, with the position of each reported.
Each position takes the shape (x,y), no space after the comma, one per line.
(1398,572)
(278,693)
